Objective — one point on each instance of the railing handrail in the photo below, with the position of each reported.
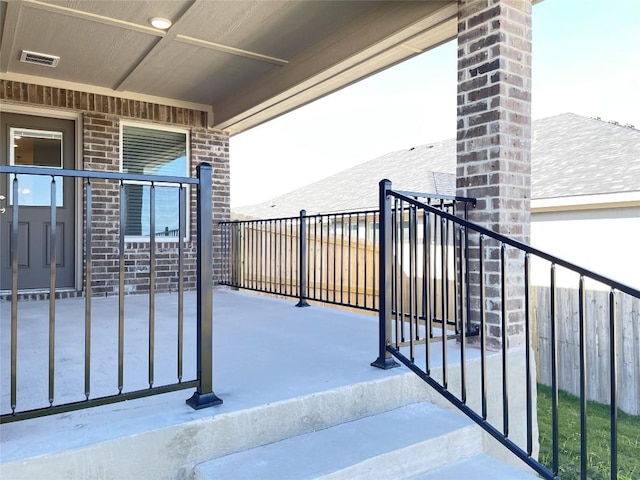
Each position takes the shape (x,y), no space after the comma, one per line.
(453,198)
(256,220)
(308,216)
(519,245)
(64,172)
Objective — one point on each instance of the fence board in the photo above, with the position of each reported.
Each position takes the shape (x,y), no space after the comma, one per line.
(597,323)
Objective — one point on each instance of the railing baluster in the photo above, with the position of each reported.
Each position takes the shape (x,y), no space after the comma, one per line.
(444,298)
(504,340)
(456,287)
(582,318)
(272,256)
(375,267)
(414,246)
(253,266)
(14,292)
(366,254)
(321,271)
(357,260)
(283,257)
(527,332)
(152,280)
(121,274)
(263,242)
(342,259)
(278,265)
(291,256)
(464,314)
(483,330)
(613,367)
(87,289)
(394,269)
(427,291)
(410,283)
(554,374)
(181,237)
(434,277)
(255,244)
(318,257)
(52,289)
(335,255)
(349,264)
(467,279)
(401,270)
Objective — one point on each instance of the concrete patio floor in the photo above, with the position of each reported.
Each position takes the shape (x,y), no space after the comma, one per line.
(265,350)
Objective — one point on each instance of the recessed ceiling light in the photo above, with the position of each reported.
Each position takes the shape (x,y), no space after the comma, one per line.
(161,23)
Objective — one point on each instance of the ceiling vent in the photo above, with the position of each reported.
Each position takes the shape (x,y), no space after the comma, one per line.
(39,58)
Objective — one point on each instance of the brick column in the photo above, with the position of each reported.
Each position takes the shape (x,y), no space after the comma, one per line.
(494,140)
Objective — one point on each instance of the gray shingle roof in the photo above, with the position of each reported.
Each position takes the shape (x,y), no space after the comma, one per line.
(571,155)
(574,155)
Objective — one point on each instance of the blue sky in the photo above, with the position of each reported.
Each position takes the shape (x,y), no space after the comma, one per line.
(585,60)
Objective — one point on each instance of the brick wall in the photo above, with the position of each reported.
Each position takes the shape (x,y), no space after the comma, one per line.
(101,116)
(494,141)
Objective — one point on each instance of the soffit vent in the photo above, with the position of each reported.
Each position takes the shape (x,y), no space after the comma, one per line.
(39,58)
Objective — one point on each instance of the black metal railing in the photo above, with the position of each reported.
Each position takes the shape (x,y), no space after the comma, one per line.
(330,258)
(168,232)
(203,383)
(473,276)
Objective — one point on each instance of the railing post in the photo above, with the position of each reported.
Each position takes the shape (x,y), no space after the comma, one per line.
(384,360)
(302,261)
(203,396)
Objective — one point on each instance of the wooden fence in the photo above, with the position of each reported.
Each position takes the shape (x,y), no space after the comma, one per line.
(341,269)
(597,363)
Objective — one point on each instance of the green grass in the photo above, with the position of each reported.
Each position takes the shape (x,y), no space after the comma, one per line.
(598,438)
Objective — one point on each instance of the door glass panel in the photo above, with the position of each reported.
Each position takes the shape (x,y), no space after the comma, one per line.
(36,148)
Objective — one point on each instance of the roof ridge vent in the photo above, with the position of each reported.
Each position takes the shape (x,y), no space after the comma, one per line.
(36,58)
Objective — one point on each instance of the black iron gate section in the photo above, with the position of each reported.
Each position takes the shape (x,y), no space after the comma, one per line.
(203,383)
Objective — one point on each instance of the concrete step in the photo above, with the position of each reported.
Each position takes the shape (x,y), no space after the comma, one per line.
(478,467)
(400,443)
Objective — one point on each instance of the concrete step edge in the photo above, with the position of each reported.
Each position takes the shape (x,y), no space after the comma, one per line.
(416,459)
(481,466)
(401,442)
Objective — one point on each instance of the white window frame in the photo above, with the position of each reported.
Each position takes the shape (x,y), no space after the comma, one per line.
(164,128)
(36,133)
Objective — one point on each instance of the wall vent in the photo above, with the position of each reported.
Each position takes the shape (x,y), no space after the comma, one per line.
(39,58)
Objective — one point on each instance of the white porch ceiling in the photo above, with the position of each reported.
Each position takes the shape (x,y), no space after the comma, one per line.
(246,61)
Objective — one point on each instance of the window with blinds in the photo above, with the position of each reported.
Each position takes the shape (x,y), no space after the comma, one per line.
(149,151)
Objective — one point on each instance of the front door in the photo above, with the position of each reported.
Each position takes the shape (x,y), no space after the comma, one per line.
(37,141)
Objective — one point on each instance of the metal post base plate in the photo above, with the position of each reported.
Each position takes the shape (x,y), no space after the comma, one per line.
(302,303)
(385,363)
(198,400)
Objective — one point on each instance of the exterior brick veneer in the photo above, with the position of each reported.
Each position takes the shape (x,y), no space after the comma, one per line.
(494,141)
(101,116)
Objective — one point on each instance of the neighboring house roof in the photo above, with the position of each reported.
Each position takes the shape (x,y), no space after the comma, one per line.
(575,155)
(571,155)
